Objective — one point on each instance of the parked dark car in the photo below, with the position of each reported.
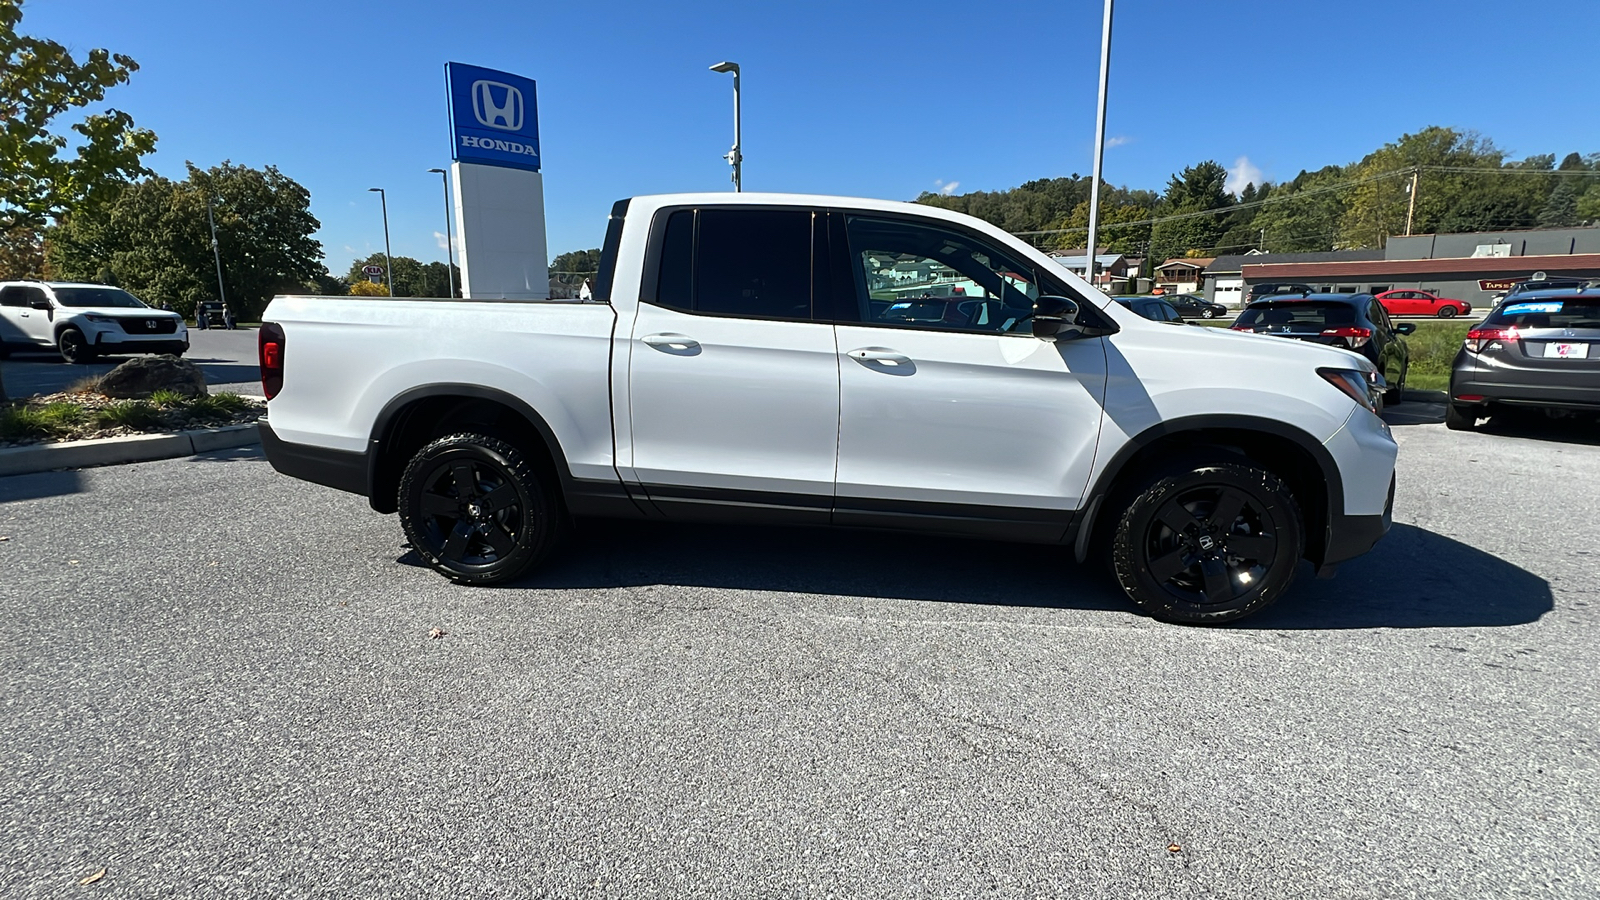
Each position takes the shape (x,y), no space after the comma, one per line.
(1353,321)
(1538,349)
(1194,306)
(1154,308)
(1274,288)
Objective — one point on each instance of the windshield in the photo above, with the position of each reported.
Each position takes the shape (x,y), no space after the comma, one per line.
(107,296)
(1562,312)
(1298,316)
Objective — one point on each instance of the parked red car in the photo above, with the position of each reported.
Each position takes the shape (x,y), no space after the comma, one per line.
(1407,302)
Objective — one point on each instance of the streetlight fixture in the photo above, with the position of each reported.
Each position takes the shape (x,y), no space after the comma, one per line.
(449,243)
(1099,138)
(211,204)
(735,157)
(389,263)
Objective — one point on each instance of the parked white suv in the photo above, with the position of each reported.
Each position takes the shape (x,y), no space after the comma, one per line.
(833,361)
(83,321)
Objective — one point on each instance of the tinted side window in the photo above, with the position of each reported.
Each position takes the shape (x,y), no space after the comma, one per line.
(13,296)
(753,263)
(676,287)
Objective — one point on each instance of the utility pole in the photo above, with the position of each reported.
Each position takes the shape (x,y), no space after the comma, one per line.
(1263,245)
(1411,206)
(735,157)
(215,253)
(1099,140)
(388,259)
(449,242)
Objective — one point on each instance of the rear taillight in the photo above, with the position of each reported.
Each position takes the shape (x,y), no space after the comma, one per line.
(1356,336)
(1241,328)
(271,340)
(1478,339)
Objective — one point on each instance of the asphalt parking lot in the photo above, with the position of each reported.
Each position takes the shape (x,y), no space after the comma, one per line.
(221,683)
(228,359)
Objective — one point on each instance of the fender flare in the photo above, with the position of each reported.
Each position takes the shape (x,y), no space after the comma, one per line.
(1329,469)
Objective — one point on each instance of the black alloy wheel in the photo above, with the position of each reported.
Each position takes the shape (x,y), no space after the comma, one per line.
(476,509)
(74,347)
(1208,542)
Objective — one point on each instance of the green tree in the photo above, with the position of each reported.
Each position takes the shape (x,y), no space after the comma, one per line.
(39,82)
(1589,204)
(1192,194)
(1302,214)
(21,254)
(155,239)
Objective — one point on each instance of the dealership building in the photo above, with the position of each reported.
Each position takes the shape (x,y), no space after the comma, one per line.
(1471,267)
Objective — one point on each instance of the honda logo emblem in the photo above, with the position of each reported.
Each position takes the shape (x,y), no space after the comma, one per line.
(505,115)
(150,324)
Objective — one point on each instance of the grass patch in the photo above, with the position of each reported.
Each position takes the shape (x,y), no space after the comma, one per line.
(166,397)
(135,414)
(1433,347)
(50,420)
(229,402)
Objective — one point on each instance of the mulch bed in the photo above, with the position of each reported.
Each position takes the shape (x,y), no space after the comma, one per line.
(169,418)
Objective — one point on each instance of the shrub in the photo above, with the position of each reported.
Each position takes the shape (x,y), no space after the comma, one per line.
(135,414)
(230,403)
(50,420)
(166,397)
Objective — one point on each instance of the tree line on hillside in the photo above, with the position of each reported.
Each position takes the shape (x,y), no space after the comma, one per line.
(1464,183)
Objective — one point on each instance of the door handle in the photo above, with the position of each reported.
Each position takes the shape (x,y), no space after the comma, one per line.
(669,341)
(880,356)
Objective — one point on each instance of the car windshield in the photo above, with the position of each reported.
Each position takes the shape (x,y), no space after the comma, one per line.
(1298,316)
(1558,312)
(84,296)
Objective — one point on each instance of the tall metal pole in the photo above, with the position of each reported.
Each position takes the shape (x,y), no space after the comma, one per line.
(1411,206)
(449,242)
(735,156)
(215,253)
(388,260)
(1099,139)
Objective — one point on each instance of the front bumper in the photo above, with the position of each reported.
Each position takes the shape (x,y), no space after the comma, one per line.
(112,342)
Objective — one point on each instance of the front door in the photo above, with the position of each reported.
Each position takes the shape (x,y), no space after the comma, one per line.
(734,388)
(23,323)
(951,413)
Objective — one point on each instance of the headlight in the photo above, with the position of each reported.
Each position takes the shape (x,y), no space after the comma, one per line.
(100,320)
(1354,384)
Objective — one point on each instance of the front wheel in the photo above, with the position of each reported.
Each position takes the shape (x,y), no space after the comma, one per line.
(74,346)
(1447,312)
(1208,542)
(477,510)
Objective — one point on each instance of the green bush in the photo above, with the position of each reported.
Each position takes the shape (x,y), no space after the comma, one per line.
(167,398)
(50,420)
(230,403)
(135,414)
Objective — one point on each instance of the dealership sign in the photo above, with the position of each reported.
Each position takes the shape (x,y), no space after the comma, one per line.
(494,117)
(1497,284)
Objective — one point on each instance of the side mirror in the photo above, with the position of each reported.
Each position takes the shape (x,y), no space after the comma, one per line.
(1056,318)
(1405,328)
(40,303)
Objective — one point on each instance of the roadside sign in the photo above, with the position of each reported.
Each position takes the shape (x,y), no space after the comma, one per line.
(494,117)
(373,270)
(1496,284)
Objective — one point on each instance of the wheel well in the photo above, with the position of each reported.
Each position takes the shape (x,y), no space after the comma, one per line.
(425,419)
(1280,455)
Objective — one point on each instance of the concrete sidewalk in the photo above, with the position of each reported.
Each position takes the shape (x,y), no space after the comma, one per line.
(130,448)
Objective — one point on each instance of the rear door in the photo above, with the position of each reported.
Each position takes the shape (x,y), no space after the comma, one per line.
(35,325)
(13,300)
(733,386)
(965,422)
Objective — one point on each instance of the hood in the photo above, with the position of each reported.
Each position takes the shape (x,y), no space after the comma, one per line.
(119,312)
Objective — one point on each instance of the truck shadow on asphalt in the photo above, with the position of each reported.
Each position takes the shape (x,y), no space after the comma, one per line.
(1412,579)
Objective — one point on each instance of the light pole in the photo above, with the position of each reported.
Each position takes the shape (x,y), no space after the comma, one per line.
(735,156)
(216,254)
(389,263)
(1099,136)
(449,244)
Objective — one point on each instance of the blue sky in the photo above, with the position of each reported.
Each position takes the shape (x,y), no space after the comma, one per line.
(861,98)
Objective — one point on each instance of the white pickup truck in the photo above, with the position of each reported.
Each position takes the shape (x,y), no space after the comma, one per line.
(773,358)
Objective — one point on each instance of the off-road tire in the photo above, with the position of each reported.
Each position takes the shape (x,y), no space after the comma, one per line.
(1187,574)
(503,524)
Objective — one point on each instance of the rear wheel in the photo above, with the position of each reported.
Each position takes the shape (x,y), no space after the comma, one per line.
(1460,418)
(477,510)
(1207,542)
(1447,312)
(1210,313)
(74,346)
(1394,395)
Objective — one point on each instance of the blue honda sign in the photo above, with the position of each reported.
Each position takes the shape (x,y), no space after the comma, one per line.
(494,118)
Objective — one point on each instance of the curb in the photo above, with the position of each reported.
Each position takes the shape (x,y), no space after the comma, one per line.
(130,448)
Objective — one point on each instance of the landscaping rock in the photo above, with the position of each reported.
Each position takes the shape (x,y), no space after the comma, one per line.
(143,375)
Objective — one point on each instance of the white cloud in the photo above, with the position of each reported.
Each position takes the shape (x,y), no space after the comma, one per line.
(441,240)
(1242,173)
(946,187)
(1118,141)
